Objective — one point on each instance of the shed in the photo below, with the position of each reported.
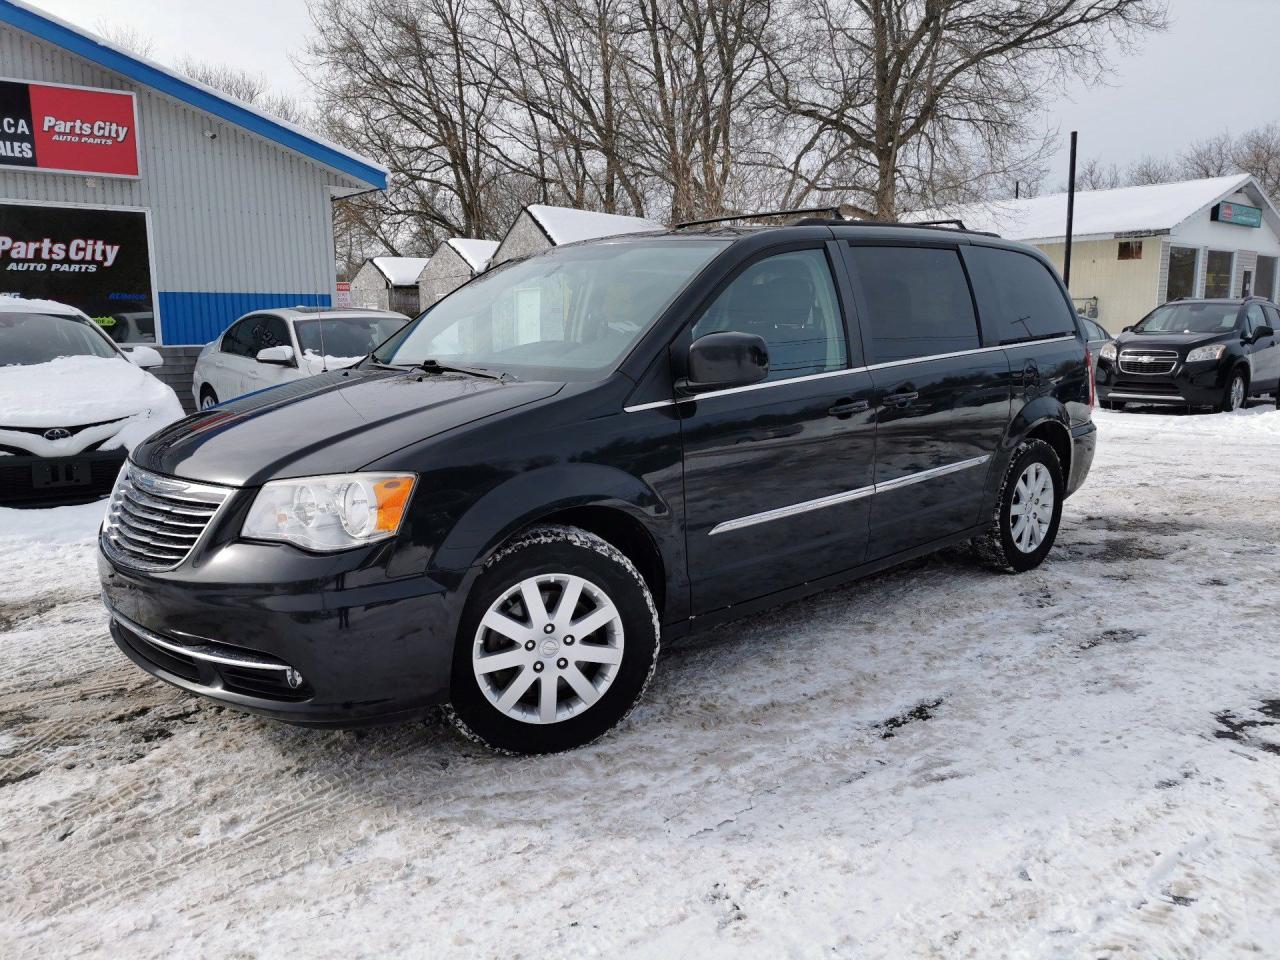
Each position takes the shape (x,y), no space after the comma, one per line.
(540,227)
(389,283)
(1134,248)
(453,264)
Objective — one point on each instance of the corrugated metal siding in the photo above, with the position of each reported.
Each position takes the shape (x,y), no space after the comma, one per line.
(229,215)
(1162,284)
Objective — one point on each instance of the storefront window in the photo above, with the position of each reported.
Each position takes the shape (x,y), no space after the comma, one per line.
(1182,272)
(1217,274)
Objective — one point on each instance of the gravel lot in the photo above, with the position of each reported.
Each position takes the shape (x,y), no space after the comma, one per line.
(938,762)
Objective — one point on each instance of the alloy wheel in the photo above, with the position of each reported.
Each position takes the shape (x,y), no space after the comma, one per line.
(548,648)
(1237,392)
(1032,508)
(207,402)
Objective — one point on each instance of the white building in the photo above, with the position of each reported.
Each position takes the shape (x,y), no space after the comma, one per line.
(1135,248)
(541,227)
(389,283)
(453,264)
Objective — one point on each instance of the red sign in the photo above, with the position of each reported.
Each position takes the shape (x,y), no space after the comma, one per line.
(63,129)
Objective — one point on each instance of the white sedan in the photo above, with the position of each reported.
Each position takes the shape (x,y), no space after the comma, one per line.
(72,403)
(268,347)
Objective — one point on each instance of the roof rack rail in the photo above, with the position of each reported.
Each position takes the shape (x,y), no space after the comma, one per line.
(834,212)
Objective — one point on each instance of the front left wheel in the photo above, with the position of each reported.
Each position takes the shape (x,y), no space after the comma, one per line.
(557,643)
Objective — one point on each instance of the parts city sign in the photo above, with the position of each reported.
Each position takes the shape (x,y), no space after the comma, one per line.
(61,129)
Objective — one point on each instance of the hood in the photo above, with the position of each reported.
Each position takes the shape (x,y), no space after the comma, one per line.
(336,422)
(1173,341)
(72,391)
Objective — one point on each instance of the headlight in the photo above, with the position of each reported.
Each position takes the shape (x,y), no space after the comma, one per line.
(1108,351)
(1213,352)
(330,513)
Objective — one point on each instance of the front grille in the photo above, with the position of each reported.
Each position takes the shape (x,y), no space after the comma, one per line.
(154,522)
(1160,387)
(1157,362)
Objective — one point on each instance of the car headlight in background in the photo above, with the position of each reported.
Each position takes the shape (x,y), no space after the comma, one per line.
(1108,351)
(330,513)
(1212,352)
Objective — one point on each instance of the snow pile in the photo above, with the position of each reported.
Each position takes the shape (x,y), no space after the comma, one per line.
(477,253)
(567,225)
(71,391)
(315,363)
(1081,761)
(1097,212)
(401,271)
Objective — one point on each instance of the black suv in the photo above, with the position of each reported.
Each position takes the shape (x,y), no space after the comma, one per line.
(1194,353)
(505,505)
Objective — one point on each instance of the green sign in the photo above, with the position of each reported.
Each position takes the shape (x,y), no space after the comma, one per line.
(1238,214)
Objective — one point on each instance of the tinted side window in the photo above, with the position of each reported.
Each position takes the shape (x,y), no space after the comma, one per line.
(236,339)
(917,302)
(1253,318)
(1018,296)
(1273,316)
(790,300)
(269,331)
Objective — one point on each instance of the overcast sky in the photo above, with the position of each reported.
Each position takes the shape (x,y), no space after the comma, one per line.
(1213,70)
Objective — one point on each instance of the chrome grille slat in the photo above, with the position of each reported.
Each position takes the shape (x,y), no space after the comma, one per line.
(156,503)
(157,528)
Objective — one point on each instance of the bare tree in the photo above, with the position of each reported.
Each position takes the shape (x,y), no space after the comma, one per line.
(1258,153)
(125,36)
(1211,157)
(250,88)
(1151,170)
(909,84)
(1092,174)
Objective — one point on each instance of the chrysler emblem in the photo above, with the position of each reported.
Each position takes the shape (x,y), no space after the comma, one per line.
(57,433)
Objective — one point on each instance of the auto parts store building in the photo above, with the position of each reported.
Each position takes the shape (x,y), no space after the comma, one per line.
(158,206)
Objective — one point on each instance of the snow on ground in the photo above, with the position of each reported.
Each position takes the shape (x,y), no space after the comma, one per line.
(1083,761)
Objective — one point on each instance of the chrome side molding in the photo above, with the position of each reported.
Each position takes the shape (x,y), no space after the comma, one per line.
(849,495)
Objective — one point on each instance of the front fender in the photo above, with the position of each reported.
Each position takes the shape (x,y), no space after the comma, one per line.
(536,494)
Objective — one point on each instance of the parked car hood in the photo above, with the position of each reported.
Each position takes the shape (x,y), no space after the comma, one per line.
(332,423)
(1172,341)
(73,391)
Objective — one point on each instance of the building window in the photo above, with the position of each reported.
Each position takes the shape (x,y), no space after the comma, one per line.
(1130,250)
(1217,274)
(1182,272)
(1264,281)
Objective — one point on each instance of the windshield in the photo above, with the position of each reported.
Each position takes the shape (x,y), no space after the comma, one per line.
(27,338)
(568,313)
(1191,318)
(345,336)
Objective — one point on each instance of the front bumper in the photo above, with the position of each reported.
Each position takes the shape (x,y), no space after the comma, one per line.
(48,481)
(298,637)
(1188,385)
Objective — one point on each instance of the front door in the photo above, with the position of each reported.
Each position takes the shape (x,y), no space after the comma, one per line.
(942,400)
(778,475)
(1264,353)
(268,330)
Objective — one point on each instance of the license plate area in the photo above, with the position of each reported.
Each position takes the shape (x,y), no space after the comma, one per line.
(61,473)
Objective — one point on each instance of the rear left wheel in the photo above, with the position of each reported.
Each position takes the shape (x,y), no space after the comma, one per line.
(1028,511)
(557,643)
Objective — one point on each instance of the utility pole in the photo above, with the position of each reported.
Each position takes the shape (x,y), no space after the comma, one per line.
(1071,213)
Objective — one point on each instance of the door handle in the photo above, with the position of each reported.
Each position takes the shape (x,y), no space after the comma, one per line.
(1030,374)
(846,408)
(902,399)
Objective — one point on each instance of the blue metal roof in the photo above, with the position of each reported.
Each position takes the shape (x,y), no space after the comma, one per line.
(85,45)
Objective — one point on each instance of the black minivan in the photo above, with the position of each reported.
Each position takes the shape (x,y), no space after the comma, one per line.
(507,504)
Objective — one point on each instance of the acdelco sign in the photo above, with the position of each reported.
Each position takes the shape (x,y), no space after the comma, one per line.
(61,129)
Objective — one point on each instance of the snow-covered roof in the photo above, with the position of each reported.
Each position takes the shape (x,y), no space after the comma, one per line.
(477,253)
(567,225)
(23,305)
(400,271)
(171,83)
(1098,213)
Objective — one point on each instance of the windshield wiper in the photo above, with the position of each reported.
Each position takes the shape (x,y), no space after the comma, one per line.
(431,365)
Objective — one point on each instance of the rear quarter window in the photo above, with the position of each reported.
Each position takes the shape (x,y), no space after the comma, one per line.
(1018,297)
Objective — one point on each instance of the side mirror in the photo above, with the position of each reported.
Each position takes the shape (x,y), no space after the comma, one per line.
(1127,329)
(719,361)
(280,356)
(145,357)
(1266,330)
